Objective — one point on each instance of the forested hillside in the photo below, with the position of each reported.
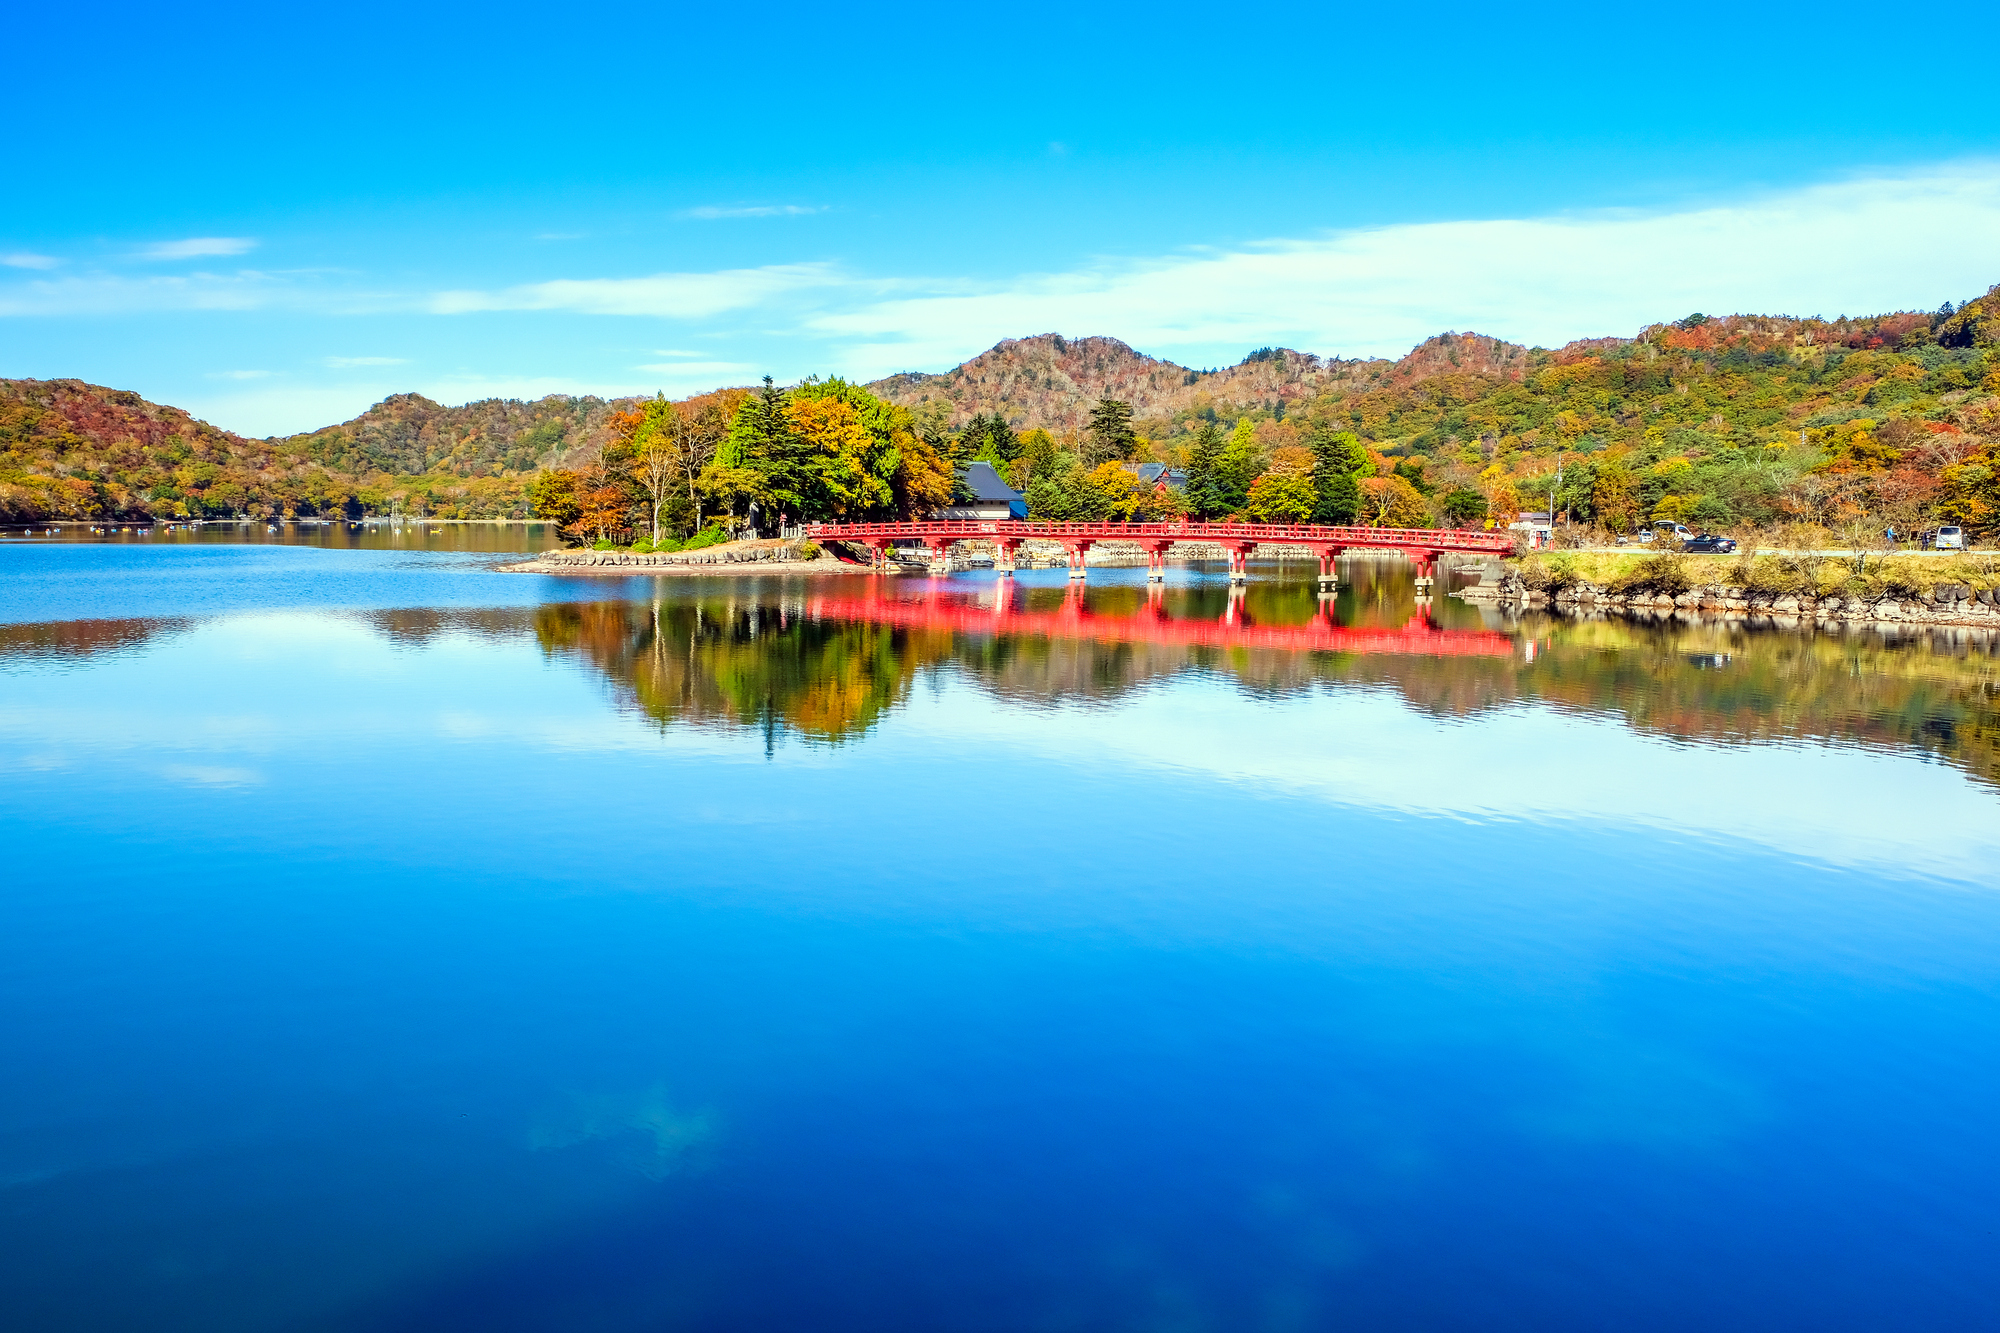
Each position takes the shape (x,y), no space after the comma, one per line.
(408,434)
(75,450)
(1727,422)
(1054,382)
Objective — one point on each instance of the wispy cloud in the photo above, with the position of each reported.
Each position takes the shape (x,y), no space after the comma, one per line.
(1821,249)
(239,374)
(709,212)
(349,362)
(199,247)
(717,371)
(210,775)
(24,260)
(666,295)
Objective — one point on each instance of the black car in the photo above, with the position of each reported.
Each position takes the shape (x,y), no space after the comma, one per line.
(1707,544)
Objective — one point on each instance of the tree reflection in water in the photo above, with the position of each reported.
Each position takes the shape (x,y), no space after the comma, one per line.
(744,663)
(829,661)
(829,666)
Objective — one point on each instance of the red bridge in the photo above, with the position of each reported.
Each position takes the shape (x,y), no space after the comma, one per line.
(1422,545)
(1152,624)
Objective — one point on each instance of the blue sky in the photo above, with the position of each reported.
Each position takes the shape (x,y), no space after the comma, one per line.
(276,218)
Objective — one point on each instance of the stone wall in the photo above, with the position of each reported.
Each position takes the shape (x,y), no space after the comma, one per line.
(1946,604)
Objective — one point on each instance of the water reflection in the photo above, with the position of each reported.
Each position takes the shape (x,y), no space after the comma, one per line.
(720,661)
(60,640)
(828,665)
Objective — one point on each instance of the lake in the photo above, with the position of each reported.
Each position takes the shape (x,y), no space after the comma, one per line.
(390,943)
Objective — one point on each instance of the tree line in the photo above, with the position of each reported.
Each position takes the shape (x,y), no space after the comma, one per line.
(674,474)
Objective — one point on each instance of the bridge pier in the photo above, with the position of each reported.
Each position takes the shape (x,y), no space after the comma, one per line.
(940,548)
(1079,550)
(1004,552)
(1156,561)
(1239,559)
(1329,574)
(1423,562)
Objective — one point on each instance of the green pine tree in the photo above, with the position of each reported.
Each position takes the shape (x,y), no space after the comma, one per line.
(1203,494)
(1237,467)
(1340,459)
(1112,438)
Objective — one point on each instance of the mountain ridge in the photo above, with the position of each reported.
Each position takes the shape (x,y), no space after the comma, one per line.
(1696,388)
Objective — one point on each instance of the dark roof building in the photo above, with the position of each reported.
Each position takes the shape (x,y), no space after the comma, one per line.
(991,498)
(1151,473)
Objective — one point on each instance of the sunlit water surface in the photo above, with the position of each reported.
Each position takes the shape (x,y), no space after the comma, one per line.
(390,943)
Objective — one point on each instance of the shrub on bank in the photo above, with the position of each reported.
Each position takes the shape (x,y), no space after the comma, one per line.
(1663,572)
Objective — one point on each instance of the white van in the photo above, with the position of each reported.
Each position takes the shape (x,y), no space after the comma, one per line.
(1664,529)
(1947,539)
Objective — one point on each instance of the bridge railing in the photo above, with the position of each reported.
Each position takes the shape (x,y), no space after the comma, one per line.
(1179,530)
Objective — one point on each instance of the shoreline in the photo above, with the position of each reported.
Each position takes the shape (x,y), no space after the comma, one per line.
(616,567)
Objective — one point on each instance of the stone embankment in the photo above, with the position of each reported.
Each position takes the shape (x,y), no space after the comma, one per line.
(1943,604)
(764,556)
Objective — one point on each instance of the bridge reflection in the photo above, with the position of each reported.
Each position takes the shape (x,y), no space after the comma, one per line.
(1005,610)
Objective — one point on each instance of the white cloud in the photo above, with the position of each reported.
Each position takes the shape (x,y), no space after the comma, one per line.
(105,294)
(198,247)
(282,408)
(1869,245)
(711,211)
(458,389)
(349,362)
(665,295)
(22,259)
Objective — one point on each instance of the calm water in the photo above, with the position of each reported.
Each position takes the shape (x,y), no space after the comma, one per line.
(387,943)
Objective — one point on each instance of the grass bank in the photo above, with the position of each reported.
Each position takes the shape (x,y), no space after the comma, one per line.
(1868,576)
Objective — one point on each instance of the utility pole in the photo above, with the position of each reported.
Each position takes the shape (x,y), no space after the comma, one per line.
(1553,487)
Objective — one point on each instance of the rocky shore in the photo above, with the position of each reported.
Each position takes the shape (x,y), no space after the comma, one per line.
(1956,604)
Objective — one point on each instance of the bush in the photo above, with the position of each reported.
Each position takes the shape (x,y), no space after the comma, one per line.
(808,550)
(644,546)
(1770,576)
(1552,575)
(605,544)
(713,535)
(1663,572)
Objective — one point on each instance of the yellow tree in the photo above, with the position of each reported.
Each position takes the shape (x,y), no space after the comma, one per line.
(1284,494)
(836,446)
(923,479)
(1391,502)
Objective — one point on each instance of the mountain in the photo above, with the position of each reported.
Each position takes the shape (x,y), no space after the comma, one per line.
(1052,382)
(407,434)
(74,450)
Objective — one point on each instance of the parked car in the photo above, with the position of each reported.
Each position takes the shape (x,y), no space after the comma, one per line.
(1949,538)
(1708,544)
